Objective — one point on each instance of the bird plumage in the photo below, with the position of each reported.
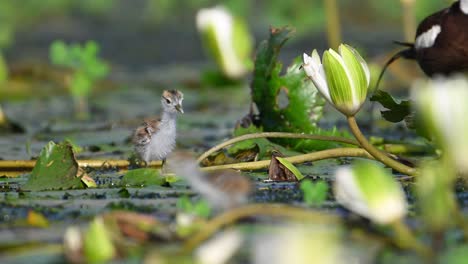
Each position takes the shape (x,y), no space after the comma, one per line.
(441,42)
(154,139)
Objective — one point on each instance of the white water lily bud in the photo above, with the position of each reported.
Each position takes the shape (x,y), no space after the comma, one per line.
(226,39)
(368,190)
(442,105)
(342,78)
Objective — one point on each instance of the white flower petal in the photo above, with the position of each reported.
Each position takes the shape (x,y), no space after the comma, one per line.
(347,192)
(316,57)
(316,73)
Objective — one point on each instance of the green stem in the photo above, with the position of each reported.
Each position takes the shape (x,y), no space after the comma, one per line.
(275,210)
(377,154)
(274,135)
(81,107)
(333,24)
(405,239)
(314,156)
(409,20)
(3,119)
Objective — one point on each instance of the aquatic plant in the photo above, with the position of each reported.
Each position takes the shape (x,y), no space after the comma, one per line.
(87,68)
(343,80)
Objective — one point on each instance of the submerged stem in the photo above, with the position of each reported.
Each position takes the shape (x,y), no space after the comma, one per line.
(274,135)
(405,239)
(314,156)
(377,154)
(276,210)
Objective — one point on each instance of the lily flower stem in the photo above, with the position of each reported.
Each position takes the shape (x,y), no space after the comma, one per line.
(333,23)
(314,156)
(462,222)
(405,239)
(376,153)
(273,210)
(274,135)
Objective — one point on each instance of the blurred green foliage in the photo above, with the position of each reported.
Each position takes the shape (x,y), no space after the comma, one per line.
(314,193)
(305,15)
(287,102)
(15,15)
(200,208)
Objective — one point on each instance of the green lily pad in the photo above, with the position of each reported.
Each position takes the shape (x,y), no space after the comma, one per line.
(55,169)
(143,177)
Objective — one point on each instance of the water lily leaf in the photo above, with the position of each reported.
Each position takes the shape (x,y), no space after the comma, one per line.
(314,193)
(396,111)
(288,102)
(291,167)
(55,169)
(143,177)
(37,219)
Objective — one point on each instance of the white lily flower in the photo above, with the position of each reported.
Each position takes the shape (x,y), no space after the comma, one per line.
(342,78)
(226,39)
(441,102)
(369,191)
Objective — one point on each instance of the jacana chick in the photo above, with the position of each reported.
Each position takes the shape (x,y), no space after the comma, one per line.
(155,139)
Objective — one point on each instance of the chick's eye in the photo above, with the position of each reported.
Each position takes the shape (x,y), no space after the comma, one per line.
(168,101)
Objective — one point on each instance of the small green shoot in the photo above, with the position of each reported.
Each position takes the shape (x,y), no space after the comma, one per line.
(87,68)
(314,193)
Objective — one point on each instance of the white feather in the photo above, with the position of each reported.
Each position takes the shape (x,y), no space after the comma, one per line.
(428,38)
(464,6)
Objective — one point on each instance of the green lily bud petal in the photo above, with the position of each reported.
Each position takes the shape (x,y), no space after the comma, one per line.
(368,190)
(441,102)
(98,247)
(436,199)
(226,39)
(343,79)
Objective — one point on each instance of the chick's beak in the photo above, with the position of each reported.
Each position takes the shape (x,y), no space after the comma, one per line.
(179,108)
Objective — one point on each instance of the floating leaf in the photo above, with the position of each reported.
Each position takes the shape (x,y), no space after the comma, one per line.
(143,177)
(37,219)
(55,169)
(396,111)
(314,193)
